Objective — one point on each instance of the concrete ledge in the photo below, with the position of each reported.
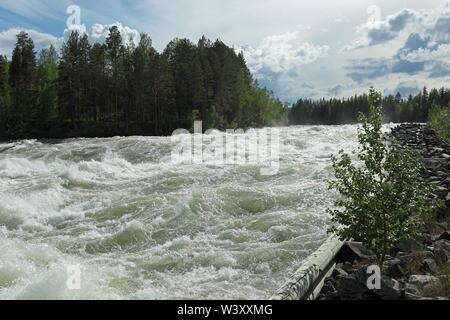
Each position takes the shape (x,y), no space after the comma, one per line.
(308,280)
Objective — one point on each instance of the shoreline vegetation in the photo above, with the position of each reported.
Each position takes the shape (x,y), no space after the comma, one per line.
(117,89)
(396,205)
(414,269)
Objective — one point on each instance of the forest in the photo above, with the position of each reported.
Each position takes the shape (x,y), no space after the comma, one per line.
(111,89)
(396,108)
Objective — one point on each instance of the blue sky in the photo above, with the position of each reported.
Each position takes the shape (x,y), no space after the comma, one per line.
(296,48)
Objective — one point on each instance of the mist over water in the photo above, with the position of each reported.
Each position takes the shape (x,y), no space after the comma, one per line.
(143,228)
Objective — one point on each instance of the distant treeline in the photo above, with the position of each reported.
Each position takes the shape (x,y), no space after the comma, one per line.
(116,89)
(345,111)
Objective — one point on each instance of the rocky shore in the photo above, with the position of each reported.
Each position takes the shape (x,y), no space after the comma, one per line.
(416,269)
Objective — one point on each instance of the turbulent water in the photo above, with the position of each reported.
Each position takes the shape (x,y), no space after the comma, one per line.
(141,227)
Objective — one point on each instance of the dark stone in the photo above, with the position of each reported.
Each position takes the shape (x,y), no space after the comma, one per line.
(349,287)
(407,246)
(441,192)
(354,287)
(432,164)
(338,271)
(443,213)
(394,268)
(442,251)
(446,183)
(444,236)
(352,251)
(329,287)
(429,266)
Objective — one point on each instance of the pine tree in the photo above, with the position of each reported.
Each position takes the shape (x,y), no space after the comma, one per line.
(4,94)
(22,82)
(114,55)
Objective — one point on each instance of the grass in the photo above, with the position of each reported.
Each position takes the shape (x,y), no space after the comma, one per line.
(440,288)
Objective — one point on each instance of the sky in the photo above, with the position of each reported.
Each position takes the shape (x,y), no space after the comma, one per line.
(297,48)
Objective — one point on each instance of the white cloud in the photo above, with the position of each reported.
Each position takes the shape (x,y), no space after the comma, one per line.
(99,33)
(282,53)
(8,40)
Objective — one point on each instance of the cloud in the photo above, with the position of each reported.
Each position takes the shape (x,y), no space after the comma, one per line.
(375,32)
(97,33)
(8,40)
(282,53)
(279,59)
(100,32)
(361,70)
(406,88)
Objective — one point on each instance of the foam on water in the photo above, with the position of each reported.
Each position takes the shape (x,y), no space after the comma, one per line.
(142,227)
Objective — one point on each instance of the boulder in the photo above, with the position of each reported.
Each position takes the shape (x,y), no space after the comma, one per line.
(411,291)
(444,236)
(429,266)
(338,271)
(394,268)
(441,251)
(349,287)
(407,246)
(440,192)
(352,251)
(354,287)
(422,282)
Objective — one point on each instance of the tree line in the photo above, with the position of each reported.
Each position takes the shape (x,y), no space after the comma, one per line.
(345,111)
(120,89)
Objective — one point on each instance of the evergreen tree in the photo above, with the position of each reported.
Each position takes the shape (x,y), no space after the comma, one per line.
(22,82)
(4,94)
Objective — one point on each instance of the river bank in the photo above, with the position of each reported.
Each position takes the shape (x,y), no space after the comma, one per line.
(416,269)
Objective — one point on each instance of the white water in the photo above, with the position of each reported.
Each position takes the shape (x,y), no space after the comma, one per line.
(142,228)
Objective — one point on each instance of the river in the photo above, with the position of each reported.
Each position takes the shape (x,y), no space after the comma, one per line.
(138,226)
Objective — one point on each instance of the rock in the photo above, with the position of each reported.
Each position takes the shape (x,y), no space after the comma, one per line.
(432,164)
(349,287)
(347,267)
(329,287)
(443,244)
(338,271)
(411,289)
(429,266)
(440,192)
(394,268)
(443,212)
(352,251)
(390,289)
(442,251)
(354,287)
(444,236)
(422,281)
(407,246)
(446,183)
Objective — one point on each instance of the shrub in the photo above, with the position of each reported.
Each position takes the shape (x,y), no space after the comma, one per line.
(382,195)
(440,121)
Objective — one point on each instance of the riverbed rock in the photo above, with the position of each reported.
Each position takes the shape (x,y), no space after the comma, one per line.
(429,266)
(444,236)
(394,268)
(422,282)
(406,246)
(355,287)
(352,251)
(441,192)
